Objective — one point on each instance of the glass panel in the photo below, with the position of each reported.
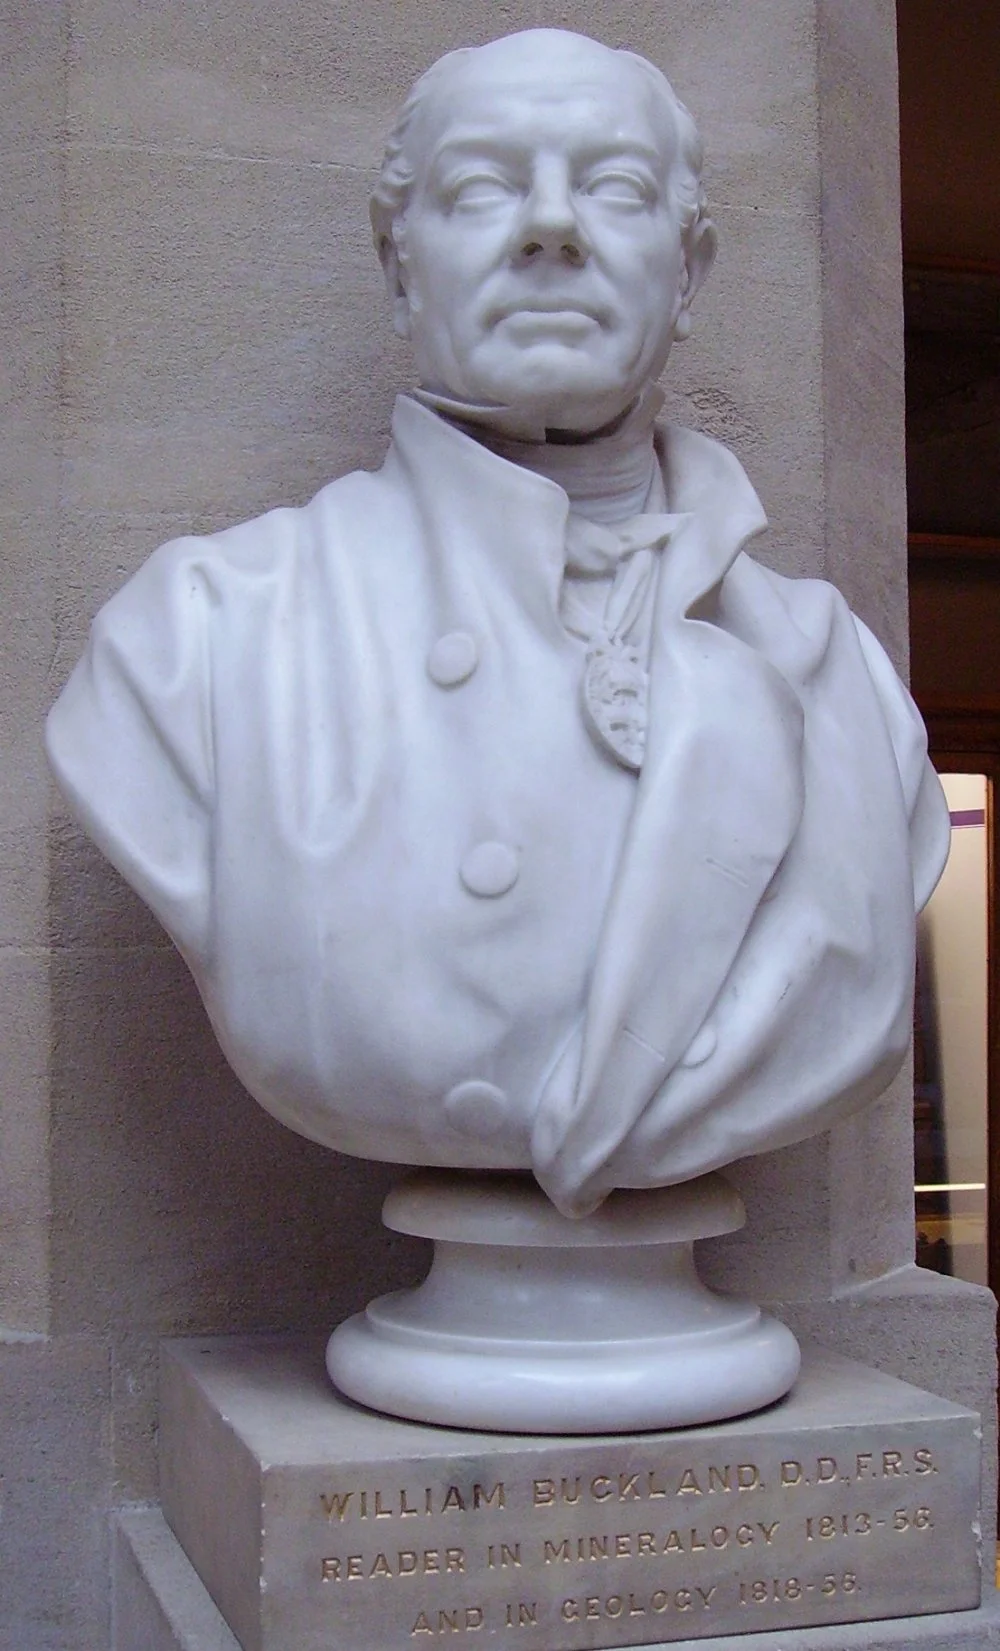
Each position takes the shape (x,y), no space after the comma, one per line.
(950,1045)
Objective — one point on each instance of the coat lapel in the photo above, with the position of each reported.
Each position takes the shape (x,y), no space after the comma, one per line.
(717,805)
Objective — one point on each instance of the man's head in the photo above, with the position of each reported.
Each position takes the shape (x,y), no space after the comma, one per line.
(542,227)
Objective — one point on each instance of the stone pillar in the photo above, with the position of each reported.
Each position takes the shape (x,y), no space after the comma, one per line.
(195,330)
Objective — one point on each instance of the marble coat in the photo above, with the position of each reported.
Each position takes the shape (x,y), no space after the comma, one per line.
(340,753)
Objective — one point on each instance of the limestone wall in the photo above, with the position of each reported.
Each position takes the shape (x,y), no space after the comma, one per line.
(193,329)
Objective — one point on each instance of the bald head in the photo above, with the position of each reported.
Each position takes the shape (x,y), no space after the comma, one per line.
(537,58)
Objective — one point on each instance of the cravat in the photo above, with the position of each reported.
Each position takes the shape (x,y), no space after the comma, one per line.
(615,686)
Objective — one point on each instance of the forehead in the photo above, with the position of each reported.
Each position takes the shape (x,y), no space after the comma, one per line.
(577,93)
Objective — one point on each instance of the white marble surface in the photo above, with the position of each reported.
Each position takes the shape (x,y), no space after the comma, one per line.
(529,1322)
(343,752)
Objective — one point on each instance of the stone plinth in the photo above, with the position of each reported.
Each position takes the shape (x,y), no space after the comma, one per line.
(312,1522)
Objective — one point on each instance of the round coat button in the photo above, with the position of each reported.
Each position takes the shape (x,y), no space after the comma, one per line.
(476,1107)
(452,659)
(489,869)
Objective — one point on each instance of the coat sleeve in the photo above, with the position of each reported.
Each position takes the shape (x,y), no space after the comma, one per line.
(130,738)
(926,808)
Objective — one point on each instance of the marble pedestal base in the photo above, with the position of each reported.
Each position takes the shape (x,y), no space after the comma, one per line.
(532,1323)
(316,1525)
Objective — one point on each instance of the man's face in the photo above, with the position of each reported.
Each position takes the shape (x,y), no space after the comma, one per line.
(542,262)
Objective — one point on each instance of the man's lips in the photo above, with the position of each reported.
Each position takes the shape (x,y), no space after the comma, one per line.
(569,309)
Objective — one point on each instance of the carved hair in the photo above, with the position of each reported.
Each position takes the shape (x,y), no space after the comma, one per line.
(391,194)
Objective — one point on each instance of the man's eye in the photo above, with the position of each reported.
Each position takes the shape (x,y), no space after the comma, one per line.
(618,186)
(484,189)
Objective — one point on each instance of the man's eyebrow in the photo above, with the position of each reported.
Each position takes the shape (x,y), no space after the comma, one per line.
(624,149)
(473,145)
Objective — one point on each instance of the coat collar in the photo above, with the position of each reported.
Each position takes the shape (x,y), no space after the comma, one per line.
(468,495)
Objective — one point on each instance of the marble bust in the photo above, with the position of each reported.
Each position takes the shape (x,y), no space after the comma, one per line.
(506,812)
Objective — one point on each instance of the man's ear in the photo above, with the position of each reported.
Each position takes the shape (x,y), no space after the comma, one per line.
(392,269)
(700,245)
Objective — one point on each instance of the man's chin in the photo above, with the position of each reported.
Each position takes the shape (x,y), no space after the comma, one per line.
(557,395)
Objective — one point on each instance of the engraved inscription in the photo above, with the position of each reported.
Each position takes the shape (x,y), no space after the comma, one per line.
(659,1545)
(406,1562)
(650,1486)
(790,1590)
(863,1467)
(405,1503)
(465,1619)
(615,1606)
(654,1544)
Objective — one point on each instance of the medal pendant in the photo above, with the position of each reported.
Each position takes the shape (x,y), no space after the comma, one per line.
(615,695)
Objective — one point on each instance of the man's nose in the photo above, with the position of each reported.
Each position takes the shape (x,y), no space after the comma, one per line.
(549,226)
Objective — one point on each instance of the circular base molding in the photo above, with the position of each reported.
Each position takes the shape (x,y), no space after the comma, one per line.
(531,1323)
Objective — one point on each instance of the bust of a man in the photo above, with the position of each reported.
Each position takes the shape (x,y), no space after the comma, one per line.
(505,811)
